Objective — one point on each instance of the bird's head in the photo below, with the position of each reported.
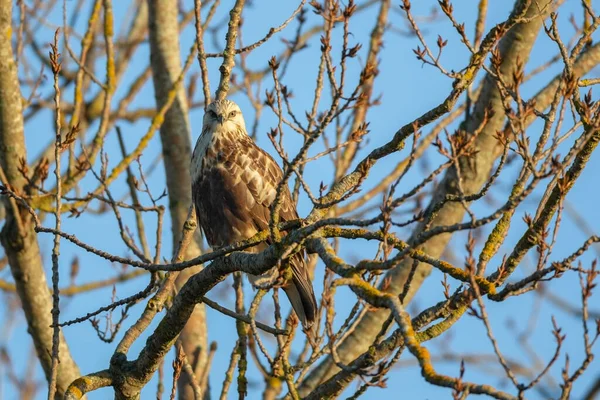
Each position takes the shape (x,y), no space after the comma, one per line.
(224,115)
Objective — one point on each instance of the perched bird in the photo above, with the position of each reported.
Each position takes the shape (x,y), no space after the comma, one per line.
(234,184)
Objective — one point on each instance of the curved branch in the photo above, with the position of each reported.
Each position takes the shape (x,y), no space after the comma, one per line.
(235,15)
(88,383)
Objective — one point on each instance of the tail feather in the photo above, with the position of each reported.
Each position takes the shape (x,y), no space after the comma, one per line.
(300,293)
(298,290)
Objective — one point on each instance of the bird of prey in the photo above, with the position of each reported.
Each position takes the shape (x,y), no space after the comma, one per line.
(234,184)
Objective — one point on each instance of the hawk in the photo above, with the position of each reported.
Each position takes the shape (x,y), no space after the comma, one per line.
(234,184)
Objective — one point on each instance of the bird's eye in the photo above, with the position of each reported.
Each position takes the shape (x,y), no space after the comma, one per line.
(232,114)
(212,114)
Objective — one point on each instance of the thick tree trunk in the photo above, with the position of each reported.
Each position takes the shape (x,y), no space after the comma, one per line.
(18,236)
(165,61)
(515,45)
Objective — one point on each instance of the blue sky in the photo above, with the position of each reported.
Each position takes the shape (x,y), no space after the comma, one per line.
(408,89)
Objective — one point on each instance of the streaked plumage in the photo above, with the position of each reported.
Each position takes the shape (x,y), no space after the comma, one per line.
(234,183)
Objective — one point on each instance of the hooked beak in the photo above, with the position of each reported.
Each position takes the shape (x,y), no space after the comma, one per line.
(220,119)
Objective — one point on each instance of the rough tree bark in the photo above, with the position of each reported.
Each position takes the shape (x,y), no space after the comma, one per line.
(18,236)
(515,45)
(165,62)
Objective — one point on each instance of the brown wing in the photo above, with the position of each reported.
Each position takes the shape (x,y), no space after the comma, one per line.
(233,193)
(233,197)
(299,290)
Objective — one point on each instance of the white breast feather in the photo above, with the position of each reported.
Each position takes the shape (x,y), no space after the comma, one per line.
(199,152)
